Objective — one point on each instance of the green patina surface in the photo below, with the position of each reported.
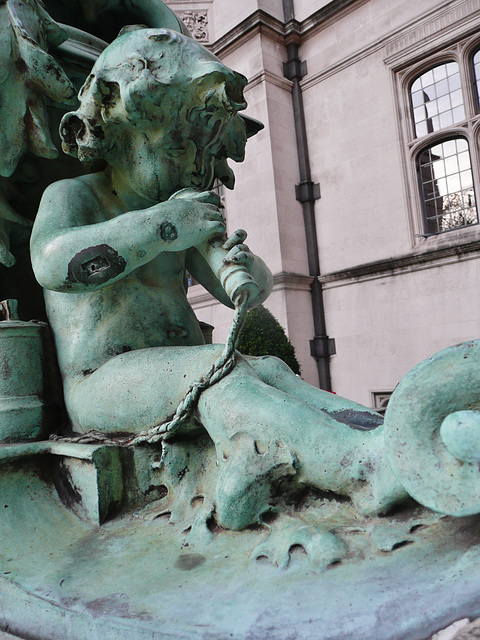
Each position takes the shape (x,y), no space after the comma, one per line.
(111,250)
(199,535)
(142,576)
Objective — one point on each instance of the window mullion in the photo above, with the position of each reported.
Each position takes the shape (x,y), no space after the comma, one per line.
(468,84)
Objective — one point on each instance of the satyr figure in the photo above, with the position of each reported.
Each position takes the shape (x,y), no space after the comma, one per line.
(112,249)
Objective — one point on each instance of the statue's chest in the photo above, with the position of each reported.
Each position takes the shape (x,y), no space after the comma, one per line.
(165,271)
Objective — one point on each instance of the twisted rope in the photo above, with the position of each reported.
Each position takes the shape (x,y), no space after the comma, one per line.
(221,368)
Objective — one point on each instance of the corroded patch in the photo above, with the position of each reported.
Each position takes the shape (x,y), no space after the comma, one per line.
(95,265)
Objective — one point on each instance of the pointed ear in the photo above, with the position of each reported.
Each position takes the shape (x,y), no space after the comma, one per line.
(253,125)
(235,139)
(224,173)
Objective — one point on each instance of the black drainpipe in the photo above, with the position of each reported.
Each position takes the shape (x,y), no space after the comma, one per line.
(321,347)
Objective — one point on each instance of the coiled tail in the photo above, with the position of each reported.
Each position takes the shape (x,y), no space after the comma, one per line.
(432,431)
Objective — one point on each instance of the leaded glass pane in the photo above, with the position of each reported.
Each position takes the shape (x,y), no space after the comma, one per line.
(476,72)
(437,100)
(447,186)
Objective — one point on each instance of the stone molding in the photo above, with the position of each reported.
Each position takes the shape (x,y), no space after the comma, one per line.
(296,281)
(399,43)
(432,28)
(403,264)
(454,12)
(323,18)
(293,31)
(259,22)
(340,65)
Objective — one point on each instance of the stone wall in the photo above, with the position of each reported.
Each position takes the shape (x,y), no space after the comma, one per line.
(392,296)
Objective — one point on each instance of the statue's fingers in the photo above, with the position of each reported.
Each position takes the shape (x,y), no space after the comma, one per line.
(241,257)
(209,197)
(215,227)
(213,213)
(236,238)
(237,249)
(191,193)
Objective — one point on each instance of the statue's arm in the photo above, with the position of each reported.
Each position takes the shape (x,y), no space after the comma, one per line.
(72,251)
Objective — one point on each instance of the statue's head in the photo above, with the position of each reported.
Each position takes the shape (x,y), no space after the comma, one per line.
(157,96)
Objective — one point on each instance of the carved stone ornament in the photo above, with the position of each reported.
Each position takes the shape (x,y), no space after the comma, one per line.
(197,23)
(155,486)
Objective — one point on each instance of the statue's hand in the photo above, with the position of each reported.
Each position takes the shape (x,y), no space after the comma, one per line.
(190,217)
(238,253)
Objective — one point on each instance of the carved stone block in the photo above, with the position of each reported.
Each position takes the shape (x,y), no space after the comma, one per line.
(197,23)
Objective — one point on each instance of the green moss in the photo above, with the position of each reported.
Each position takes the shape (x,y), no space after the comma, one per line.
(263,335)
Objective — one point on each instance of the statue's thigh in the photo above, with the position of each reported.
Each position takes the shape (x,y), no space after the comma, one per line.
(138,389)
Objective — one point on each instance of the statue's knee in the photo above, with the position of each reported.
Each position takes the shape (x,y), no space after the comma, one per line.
(267,366)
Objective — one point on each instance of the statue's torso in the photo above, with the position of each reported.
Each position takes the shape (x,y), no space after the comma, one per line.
(147,308)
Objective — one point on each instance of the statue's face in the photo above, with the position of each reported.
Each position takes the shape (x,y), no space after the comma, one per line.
(159,159)
(153,171)
(161,110)
(179,144)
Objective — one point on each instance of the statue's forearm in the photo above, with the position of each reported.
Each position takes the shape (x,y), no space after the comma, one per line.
(71,255)
(96,255)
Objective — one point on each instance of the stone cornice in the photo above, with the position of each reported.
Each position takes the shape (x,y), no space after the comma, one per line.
(447,16)
(297,281)
(271,78)
(323,17)
(416,261)
(258,22)
(400,44)
(293,31)
(436,26)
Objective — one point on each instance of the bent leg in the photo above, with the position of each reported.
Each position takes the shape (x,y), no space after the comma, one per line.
(141,389)
(276,373)
(325,453)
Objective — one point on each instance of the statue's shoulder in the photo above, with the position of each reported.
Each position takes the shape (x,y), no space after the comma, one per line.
(85,186)
(71,198)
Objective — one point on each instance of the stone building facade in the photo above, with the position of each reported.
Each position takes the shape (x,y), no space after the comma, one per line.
(375,197)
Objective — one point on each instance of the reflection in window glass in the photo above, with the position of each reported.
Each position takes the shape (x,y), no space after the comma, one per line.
(447,186)
(437,99)
(476,71)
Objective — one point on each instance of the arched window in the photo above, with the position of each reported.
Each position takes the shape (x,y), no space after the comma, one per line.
(445,117)
(437,100)
(446,186)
